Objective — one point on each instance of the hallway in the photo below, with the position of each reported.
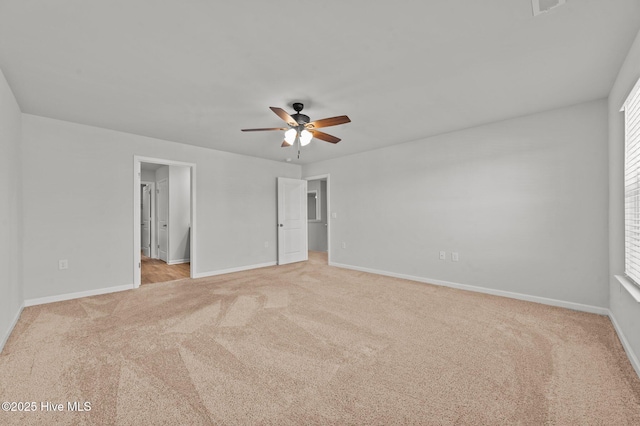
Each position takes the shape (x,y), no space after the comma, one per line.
(157,271)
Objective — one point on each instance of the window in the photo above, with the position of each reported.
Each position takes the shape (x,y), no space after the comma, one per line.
(631,110)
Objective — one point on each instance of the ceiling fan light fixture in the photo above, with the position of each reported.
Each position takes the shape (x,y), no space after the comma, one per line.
(305,137)
(290,136)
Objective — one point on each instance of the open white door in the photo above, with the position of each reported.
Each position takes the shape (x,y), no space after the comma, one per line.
(292,220)
(145,220)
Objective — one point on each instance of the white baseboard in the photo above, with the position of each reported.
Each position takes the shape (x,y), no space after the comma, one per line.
(230,270)
(11,327)
(178,261)
(69,296)
(633,358)
(546,301)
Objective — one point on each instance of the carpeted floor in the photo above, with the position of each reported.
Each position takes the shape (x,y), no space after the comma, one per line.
(310,344)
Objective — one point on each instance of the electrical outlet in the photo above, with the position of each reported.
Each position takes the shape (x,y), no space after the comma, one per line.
(344,245)
(443,255)
(334,215)
(454,256)
(63,264)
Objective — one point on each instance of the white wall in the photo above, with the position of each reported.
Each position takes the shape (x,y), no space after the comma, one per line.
(89,221)
(523,202)
(147,175)
(179,213)
(11,294)
(625,310)
(161,173)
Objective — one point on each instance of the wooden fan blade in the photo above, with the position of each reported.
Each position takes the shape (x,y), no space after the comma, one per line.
(326,122)
(265,128)
(324,136)
(285,116)
(285,144)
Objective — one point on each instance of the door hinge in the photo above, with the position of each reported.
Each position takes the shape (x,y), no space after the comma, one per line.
(139,265)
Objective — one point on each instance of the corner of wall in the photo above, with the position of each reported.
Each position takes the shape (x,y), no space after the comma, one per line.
(11,256)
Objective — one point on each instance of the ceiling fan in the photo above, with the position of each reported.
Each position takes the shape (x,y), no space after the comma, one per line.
(302,130)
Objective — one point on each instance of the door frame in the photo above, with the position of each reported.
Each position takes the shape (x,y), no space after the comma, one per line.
(326,176)
(136,265)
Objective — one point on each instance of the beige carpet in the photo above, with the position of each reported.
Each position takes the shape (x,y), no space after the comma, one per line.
(310,344)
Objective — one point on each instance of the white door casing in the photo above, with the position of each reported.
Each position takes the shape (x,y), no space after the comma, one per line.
(292,221)
(162,201)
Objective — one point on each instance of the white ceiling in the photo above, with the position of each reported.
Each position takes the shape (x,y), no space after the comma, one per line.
(197,72)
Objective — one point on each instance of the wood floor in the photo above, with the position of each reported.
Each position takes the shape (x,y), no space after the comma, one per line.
(157,271)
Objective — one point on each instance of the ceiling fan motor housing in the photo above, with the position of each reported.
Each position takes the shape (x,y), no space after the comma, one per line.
(300,118)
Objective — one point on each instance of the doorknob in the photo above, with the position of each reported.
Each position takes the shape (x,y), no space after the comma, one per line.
(281,225)
(164,226)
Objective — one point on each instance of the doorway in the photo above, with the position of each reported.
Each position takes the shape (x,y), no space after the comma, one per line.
(165,221)
(318,216)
